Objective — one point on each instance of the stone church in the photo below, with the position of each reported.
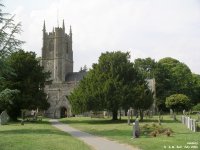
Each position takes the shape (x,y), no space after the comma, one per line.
(57,57)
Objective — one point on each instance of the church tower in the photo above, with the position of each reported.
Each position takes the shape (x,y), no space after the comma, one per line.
(57,57)
(57,54)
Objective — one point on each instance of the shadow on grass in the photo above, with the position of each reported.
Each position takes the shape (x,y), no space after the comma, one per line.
(101,121)
(93,121)
(32,131)
(26,129)
(28,122)
(110,133)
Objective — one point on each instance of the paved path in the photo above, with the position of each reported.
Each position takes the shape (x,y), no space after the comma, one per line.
(96,142)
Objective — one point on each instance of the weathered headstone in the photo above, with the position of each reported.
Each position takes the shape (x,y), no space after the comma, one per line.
(150,114)
(4,118)
(184,112)
(128,114)
(159,121)
(131,112)
(198,116)
(136,129)
(171,113)
(190,123)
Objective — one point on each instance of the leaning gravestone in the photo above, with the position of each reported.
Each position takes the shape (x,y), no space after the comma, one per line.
(136,129)
(4,118)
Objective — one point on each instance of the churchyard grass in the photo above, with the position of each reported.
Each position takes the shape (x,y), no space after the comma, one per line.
(181,138)
(37,136)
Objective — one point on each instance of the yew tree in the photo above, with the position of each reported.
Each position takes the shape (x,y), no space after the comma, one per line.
(28,78)
(109,85)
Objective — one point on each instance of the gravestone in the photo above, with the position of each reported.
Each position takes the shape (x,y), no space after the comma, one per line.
(190,123)
(136,129)
(128,114)
(159,121)
(131,111)
(4,118)
(171,113)
(198,116)
(150,114)
(184,112)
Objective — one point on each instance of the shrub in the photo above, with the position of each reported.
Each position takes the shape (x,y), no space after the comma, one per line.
(154,130)
(177,102)
(196,107)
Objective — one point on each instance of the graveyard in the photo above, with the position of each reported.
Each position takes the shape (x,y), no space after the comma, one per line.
(153,134)
(180,136)
(128,87)
(37,135)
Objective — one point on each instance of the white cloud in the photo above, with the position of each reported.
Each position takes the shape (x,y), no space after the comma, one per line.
(153,28)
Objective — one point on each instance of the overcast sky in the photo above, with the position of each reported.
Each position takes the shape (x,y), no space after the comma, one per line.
(145,28)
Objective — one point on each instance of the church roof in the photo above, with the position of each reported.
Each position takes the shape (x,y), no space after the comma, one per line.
(75,76)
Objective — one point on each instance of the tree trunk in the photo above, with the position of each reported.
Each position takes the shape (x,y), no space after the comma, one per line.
(126,110)
(114,115)
(174,115)
(120,114)
(141,114)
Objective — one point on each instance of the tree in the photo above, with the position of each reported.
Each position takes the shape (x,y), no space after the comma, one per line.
(144,99)
(194,91)
(8,31)
(8,44)
(180,74)
(196,107)
(163,86)
(172,77)
(29,79)
(178,102)
(8,41)
(146,67)
(109,85)
(6,98)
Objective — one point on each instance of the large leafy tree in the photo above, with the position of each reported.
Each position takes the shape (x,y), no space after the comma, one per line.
(180,74)
(110,85)
(173,77)
(146,67)
(28,78)
(8,44)
(194,91)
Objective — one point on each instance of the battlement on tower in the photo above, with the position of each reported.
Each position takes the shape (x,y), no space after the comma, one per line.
(57,53)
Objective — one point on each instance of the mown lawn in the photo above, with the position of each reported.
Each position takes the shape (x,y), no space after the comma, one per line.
(37,136)
(181,138)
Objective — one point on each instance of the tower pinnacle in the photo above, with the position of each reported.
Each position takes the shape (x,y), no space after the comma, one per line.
(70,30)
(44,27)
(63,26)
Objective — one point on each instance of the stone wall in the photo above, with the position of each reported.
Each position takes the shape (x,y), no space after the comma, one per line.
(57,97)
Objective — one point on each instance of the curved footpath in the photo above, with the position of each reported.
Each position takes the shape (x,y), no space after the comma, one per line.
(96,142)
